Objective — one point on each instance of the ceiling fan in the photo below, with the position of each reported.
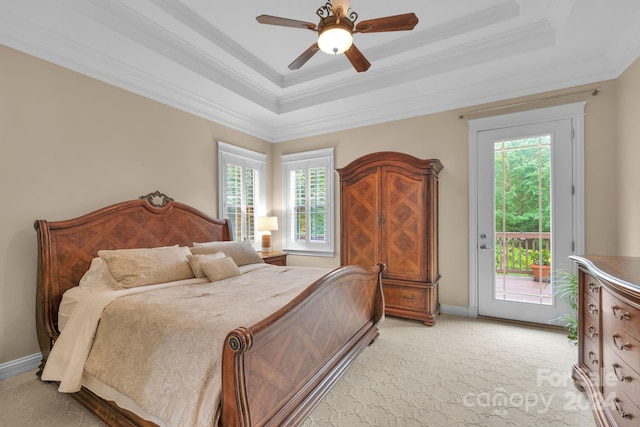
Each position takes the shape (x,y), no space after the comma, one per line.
(335,31)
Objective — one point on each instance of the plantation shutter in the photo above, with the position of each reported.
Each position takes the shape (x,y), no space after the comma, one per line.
(308,200)
(241,189)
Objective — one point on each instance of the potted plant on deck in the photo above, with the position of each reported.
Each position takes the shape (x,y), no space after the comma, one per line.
(541,265)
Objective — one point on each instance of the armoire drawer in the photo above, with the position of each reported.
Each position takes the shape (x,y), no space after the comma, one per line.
(405,297)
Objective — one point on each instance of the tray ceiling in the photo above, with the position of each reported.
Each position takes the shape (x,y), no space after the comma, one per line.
(211,57)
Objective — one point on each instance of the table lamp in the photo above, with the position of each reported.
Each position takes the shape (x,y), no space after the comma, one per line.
(267,224)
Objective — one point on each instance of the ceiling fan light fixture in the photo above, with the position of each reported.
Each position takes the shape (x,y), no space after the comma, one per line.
(335,40)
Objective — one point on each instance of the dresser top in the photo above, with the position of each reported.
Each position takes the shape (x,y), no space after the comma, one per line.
(624,271)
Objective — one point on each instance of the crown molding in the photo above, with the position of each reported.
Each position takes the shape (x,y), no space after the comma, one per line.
(525,39)
(455,78)
(449,98)
(192,20)
(126,21)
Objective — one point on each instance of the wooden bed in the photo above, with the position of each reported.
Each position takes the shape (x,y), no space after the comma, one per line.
(338,313)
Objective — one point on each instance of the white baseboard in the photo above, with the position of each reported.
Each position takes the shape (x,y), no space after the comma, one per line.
(18,366)
(455,310)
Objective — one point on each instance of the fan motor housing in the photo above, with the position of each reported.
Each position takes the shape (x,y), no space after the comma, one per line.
(330,22)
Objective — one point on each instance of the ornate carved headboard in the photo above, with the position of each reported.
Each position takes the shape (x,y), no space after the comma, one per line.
(66,248)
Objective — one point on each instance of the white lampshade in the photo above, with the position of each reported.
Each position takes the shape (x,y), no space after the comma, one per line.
(267,223)
(335,40)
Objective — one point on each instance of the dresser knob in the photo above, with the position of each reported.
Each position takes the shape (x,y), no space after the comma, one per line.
(593,309)
(620,345)
(593,332)
(619,375)
(592,358)
(617,313)
(593,287)
(408,297)
(618,404)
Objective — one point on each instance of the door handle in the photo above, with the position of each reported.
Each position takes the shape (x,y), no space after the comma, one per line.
(483,246)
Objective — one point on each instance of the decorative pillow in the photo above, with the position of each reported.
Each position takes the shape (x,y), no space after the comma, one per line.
(221,268)
(241,252)
(147,266)
(196,262)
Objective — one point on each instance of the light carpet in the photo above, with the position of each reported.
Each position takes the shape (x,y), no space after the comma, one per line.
(461,372)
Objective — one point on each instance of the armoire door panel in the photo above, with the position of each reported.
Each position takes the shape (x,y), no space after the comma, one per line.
(361,226)
(404,230)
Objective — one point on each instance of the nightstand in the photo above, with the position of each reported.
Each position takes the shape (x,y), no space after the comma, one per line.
(274,258)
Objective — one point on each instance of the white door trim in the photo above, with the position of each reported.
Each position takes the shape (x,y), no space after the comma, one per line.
(573,111)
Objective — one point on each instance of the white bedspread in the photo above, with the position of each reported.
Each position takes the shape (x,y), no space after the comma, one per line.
(174,373)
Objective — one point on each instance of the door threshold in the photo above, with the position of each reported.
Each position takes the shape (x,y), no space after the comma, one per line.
(524,323)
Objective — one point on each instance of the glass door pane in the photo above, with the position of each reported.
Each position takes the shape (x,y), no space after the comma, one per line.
(523,219)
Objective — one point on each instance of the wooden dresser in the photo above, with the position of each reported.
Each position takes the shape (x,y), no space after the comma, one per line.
(389,214)
(608,367)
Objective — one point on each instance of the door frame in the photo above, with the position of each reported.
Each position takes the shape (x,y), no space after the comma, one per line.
(575,112)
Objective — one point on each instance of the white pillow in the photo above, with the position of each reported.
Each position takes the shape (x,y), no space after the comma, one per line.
(97,276)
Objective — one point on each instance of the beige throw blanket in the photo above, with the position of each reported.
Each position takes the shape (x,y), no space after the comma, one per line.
(162,348)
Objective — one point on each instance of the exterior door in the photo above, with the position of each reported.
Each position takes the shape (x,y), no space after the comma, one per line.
(525,218)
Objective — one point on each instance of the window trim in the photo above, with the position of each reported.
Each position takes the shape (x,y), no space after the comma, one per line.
(306,160)
(231,154)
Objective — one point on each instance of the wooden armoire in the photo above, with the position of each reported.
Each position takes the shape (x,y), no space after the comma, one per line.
(389,214)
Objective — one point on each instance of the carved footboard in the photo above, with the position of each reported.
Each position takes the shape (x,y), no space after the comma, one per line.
(275,372)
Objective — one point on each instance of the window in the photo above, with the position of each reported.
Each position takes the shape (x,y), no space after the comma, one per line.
(241,178)
(308,193)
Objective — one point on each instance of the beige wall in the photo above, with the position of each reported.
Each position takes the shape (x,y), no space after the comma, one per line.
(70,144)
(628,162)
(441,136)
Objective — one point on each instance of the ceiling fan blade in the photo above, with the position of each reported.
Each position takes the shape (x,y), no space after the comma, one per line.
(306,55)
(389,23)
(357,59)
(344,4)
(285,22)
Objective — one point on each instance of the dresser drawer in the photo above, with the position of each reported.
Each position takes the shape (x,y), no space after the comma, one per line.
(591,320)
(591,285)
(621,343)
(622,314)
(591,355)
(618,375)
(621,407)
(404,297)
(591,306)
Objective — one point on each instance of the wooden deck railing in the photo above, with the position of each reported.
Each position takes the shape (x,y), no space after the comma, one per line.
(514,250)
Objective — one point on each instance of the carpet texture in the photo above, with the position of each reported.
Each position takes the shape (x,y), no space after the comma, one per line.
(461,372)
